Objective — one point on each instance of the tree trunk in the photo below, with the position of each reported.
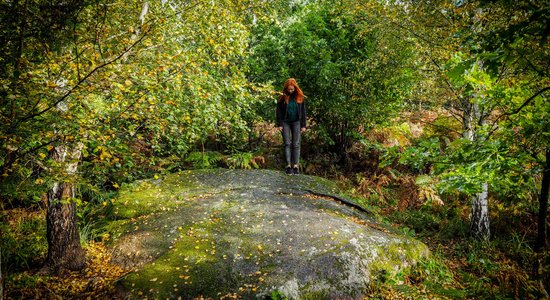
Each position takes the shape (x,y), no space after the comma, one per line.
(479,218)
(1,278)
(64,249)
(541,241)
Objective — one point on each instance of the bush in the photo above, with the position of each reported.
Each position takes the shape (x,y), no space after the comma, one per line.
(23,240)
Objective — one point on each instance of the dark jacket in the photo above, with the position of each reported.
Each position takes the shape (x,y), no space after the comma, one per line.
(282,110)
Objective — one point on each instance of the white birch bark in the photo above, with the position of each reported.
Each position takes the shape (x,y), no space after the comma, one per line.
(479,218)
(137,29)
(479,214)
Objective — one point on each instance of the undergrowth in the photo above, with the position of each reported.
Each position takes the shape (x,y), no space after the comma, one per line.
(22,239)
(458,268)
(96,281)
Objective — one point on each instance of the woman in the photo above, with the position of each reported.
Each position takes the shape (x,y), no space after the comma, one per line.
(291,120)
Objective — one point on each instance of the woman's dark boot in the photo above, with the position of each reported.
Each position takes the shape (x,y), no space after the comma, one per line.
(288,170)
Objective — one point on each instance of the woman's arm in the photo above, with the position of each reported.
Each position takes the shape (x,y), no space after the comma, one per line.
(303,115)
(279,114)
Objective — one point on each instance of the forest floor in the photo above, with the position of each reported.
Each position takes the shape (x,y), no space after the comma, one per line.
(460,267)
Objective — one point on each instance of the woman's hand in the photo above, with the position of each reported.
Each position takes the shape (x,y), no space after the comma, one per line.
(302,129)
(281,128)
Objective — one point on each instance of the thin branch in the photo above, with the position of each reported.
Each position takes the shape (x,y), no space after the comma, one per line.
(97,31)
(446,80)
(14,158)
(532,65)
(517,110)
(440,126)
(35,148)
(525,103)
(68,93)
(456,115)
(503,69)
(168,78)
(76,51)
(411,31)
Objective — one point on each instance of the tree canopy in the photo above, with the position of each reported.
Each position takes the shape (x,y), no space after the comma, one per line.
(96,94)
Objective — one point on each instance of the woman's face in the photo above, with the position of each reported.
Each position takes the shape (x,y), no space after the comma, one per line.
(290,89)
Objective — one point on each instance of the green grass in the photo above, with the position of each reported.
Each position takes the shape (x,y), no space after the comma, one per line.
(23,240)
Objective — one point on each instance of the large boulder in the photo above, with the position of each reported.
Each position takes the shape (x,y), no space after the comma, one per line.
(250,234)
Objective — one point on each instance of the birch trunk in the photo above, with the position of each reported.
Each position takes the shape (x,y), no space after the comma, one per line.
(64,249)
(479,217)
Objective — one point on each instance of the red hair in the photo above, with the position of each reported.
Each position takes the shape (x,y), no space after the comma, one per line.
(298,94)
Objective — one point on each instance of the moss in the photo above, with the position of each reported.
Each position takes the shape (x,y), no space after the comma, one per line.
(192,265)
(117,228)
(164,193)
(390,259)
(202,245)
(315,295)
(319,183)
(172,190)
(198,265)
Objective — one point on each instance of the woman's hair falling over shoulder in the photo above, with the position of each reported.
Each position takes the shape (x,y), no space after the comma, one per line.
(298,94)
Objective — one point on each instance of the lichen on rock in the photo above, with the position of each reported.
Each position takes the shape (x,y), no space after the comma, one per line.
(216,233)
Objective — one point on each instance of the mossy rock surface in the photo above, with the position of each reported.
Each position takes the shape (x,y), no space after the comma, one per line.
(247,234)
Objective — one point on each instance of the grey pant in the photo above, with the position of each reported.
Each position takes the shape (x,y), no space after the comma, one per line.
(291,138)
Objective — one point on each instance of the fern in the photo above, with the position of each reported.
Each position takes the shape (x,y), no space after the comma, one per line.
(242,160)
(204,160)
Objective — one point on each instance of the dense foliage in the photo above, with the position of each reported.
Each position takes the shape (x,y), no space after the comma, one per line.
(415,103)
(354,68)
(136,83)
